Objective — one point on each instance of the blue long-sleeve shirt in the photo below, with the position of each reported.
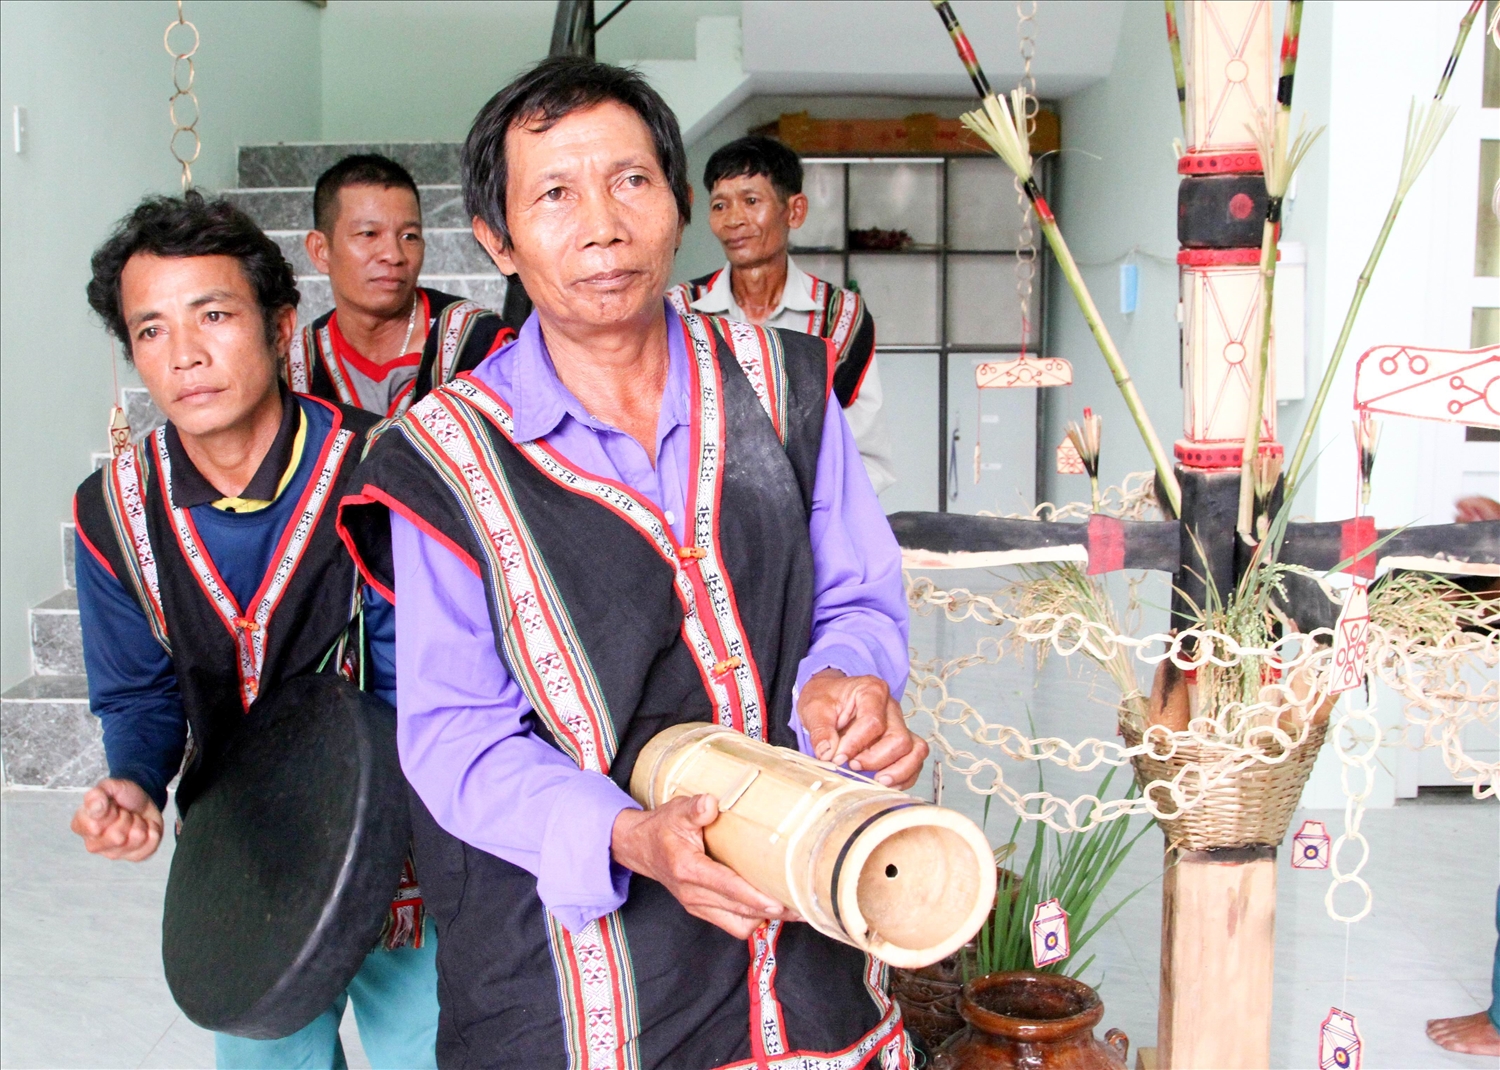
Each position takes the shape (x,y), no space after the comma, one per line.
(132,684)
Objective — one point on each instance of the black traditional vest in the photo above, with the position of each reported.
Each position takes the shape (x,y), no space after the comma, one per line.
(224,655)
(460,334)
(615,630)
(841,317)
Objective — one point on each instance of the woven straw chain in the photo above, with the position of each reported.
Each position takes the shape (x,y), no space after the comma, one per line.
(1241,735)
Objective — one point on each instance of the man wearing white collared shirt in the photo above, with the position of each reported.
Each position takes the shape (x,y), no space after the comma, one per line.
(755,202)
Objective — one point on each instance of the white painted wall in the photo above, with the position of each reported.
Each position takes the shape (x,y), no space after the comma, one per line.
(1422,292)
(900,48)
(94,80)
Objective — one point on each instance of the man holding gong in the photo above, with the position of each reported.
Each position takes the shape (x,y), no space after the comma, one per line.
(210,573)
(626,519)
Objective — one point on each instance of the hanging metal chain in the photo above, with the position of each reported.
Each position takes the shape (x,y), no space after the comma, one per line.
(1026,239)
(182,83)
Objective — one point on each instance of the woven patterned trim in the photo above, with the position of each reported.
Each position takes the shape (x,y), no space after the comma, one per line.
(455,324)
(249,628)
(760,356)
(543,650)
(298,364)
(767,1023)
(596,994)
(691,592)
(125,502)
(681,299)
(821,294)
(886,1042)
(335,370)
(843,314)
(703,506)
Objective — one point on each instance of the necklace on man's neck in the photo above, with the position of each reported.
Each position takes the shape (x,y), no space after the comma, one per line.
(411,325)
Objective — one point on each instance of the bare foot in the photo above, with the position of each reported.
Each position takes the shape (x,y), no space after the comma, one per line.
(1473,1034)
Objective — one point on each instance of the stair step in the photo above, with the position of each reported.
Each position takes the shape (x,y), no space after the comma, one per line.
(69,544)
(291,207)
(56,638)
(488,291)
(140,411)
(48,737)
(260,166)
(450,251)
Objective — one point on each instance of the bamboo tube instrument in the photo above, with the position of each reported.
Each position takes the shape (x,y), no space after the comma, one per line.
(901,879)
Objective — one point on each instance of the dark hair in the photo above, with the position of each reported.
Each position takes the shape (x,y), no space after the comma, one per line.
(363,169)
(756,155)
(539,99)
(186,226)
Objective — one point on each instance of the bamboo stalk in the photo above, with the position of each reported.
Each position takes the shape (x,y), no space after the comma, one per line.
(1174,42)
(1126,385)
(1413,160)
(1002,125)
(1245,521)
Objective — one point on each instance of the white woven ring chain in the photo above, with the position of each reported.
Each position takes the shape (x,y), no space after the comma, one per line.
(1429,678)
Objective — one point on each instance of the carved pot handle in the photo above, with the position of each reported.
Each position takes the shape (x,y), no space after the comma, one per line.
(1117,1040)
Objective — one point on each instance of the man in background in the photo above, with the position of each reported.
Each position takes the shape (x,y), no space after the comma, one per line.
(387,341)
(755,202)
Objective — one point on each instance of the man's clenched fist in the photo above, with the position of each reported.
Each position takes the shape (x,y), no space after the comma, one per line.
(118,820)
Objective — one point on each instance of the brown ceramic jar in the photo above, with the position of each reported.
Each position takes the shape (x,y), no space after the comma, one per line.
(1031,1021)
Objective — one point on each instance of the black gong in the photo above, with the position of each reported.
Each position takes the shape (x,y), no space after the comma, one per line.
(287,862)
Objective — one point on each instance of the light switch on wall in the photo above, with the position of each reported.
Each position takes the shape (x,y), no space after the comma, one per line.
(18,129)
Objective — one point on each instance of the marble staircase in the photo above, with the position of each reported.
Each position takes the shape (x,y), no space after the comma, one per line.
(48,736)
(276,189)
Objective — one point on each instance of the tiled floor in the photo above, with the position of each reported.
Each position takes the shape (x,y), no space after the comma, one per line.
(82,981)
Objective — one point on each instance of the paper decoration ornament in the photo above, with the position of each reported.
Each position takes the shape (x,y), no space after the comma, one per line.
(1349,640)
(1069,460)
(1049,934)
(1451,385)
(1311,846)
(1023,371)
(119,431)
(1339,1045)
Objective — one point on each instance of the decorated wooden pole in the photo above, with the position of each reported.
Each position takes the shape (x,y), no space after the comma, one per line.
(1218,919)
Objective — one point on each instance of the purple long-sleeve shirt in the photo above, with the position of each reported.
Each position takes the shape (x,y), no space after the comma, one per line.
(465,743)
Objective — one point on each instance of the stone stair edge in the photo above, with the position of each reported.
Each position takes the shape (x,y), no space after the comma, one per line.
(43,688)
(64,601)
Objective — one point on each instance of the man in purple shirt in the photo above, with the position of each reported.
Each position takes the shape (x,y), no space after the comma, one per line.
(622,521)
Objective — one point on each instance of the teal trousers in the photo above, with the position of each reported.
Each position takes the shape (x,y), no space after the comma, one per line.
(395,1006)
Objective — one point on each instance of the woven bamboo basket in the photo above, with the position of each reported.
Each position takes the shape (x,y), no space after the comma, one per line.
(1249,807)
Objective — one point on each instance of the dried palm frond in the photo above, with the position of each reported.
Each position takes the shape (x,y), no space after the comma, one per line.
(1002,126)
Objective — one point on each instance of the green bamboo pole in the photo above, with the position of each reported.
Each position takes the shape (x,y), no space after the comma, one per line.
(1277,178)
(1174,41)
(1411,166)
(1003,127)
(1069,266)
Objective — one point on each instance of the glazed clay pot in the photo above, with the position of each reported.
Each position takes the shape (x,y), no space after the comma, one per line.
(1031,1021)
